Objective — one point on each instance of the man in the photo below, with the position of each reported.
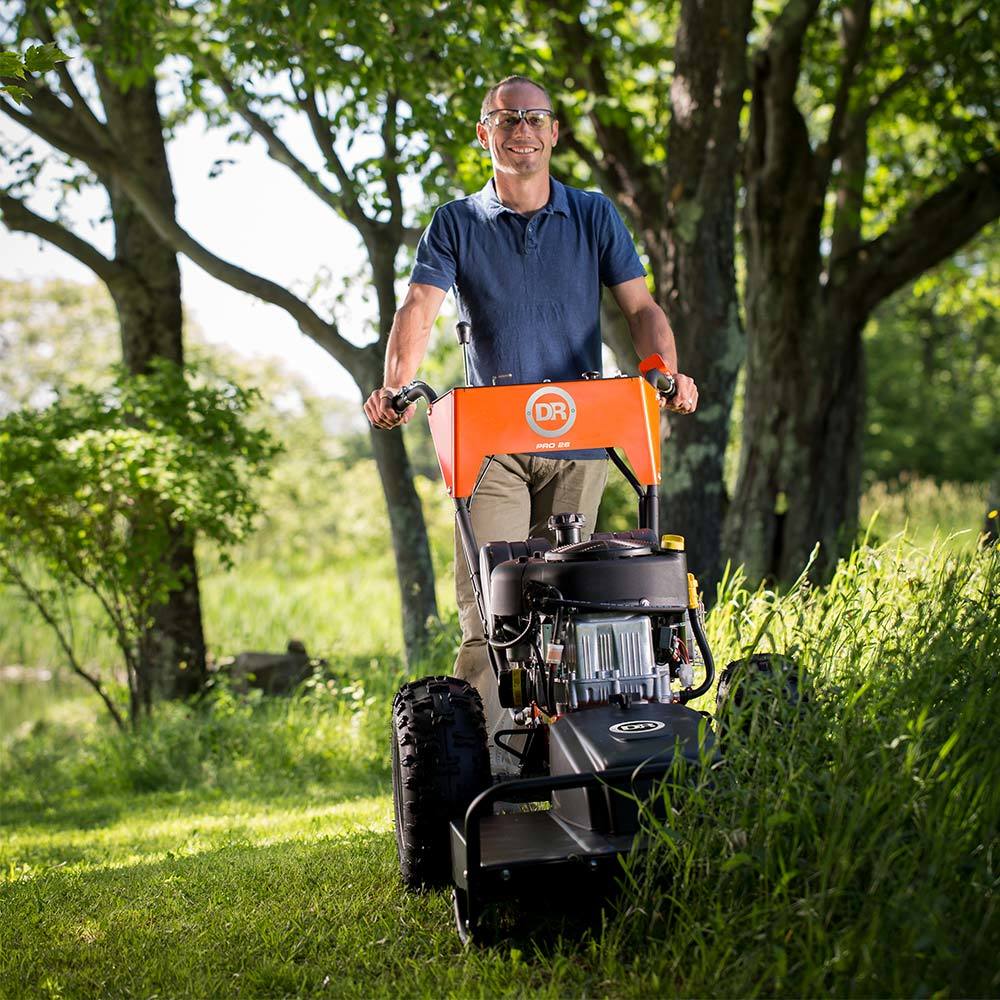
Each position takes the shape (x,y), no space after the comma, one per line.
(527,257)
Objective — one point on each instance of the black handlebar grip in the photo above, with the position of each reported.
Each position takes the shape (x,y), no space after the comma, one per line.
(463,330)
(410,394)
(662,382)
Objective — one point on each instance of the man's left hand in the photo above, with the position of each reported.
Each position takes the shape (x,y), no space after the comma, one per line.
(685,400)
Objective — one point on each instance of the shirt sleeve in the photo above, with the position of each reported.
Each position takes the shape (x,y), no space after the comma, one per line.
(617,257)
(437,254)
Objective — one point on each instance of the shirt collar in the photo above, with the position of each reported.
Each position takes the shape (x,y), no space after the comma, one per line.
(558,202)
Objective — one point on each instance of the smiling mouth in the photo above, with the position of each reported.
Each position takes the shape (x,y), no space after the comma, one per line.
(523,150)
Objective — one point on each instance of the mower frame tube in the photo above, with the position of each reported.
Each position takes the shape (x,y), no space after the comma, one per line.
(649,510)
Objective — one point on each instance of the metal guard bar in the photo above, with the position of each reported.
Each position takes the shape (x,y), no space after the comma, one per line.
(536,790)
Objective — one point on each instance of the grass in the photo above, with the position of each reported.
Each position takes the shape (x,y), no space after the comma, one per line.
(926,510)
(244,847)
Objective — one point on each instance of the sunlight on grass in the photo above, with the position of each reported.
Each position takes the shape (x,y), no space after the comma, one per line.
(182,826)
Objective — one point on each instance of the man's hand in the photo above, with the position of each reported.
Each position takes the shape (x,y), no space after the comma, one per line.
(379,411)
(685,400)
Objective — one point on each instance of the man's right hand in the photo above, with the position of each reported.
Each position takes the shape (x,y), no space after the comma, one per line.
(379,411)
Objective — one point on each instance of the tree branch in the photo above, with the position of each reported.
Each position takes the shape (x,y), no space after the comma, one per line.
(35,599)
(54,122)
(929,233)
(276,149)
(107,165)
(789,29)
(171,232)
(91,122)
(324,140)
(859,119)
(390,165)
(18,217)
(636,186)
(776,124)
(856,23)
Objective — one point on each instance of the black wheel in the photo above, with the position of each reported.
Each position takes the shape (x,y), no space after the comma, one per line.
(771,680)
(439,765)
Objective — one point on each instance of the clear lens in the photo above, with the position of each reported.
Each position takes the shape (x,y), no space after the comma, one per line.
(504,119)
(538,119)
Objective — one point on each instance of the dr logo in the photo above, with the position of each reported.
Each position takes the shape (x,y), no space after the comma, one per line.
(550,411)
(640,727)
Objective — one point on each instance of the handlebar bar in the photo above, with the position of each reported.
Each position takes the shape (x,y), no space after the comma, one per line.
(409,394)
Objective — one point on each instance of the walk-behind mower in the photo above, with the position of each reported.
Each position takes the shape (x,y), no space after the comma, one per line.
(595,643)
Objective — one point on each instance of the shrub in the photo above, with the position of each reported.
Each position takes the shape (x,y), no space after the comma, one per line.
(99,489)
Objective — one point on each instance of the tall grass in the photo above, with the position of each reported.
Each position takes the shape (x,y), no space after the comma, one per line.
(852,846)
(349,605)
(923,508)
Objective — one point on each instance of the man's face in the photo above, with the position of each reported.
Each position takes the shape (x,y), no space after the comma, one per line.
(520,150)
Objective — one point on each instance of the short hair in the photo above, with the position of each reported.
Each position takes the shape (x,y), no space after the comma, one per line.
(492,92)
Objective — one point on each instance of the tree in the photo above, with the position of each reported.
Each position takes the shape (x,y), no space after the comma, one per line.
(869,159)
(98,489)
(143,275)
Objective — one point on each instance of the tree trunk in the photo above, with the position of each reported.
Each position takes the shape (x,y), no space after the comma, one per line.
(697,287)
(148,301)
(800,467)
(414,569)
(800,462)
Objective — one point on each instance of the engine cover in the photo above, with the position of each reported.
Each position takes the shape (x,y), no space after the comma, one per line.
(596,739)
(657,577)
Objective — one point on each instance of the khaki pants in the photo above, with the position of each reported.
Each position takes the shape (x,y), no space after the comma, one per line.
(513,503)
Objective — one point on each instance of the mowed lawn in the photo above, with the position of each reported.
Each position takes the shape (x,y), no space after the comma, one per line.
(204,895)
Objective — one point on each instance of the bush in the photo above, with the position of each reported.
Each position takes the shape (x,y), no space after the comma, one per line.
(100,490)
(331,732)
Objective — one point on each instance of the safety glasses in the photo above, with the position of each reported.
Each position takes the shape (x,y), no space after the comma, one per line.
(508,118)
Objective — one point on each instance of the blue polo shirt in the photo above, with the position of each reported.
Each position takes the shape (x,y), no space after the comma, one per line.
(531,288)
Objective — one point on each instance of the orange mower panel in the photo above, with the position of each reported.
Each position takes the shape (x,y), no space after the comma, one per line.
(545,419)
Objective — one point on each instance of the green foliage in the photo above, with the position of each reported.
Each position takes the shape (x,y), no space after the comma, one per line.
(397,89)
(99,489)
(924,86)
(226,743)
(925,510)
(17,66)
(934,373)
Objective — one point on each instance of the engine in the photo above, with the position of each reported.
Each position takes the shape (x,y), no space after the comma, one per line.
(588,623)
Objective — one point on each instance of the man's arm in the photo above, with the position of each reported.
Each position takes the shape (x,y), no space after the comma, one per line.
(411,329)
(651,334)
